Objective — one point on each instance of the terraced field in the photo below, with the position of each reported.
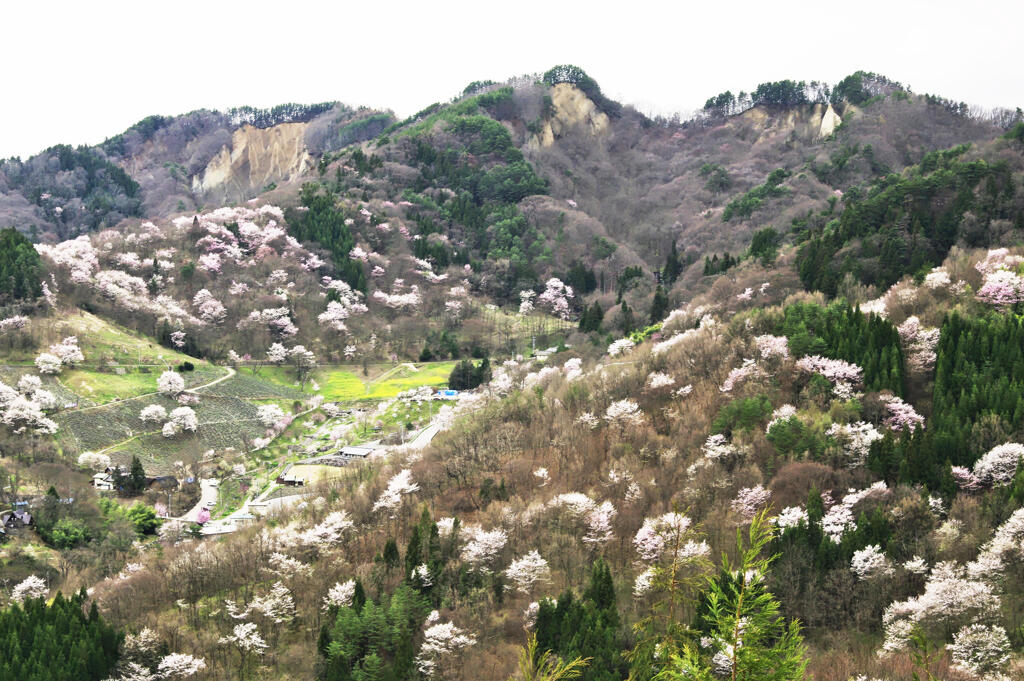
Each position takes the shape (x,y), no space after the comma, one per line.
(11,374)
(107,418)
(245,385)
(224,423)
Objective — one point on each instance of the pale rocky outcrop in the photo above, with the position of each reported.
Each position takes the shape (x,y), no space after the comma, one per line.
(811,122)
(830,120)
(255,158)
(571,107)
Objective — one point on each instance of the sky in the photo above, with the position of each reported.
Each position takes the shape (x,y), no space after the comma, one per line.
(79,72)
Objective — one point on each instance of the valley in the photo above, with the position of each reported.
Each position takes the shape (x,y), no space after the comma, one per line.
(527,385)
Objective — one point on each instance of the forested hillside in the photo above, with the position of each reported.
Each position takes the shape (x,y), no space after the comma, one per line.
(528,385)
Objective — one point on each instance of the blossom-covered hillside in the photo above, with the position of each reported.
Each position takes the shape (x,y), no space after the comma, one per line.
(532,386)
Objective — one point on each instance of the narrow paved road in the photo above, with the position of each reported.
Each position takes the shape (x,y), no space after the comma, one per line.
(207,499)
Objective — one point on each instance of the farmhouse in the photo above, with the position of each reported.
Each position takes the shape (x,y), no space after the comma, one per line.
(358,451)
(289,479)
(104,481)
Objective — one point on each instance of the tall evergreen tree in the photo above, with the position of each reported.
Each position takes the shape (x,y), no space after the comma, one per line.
(673,266)
(659,305)
(750,639)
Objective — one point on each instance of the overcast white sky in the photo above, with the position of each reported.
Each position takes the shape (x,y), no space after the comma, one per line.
(78,72)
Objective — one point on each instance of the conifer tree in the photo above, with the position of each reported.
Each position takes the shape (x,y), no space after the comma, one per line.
(750,640)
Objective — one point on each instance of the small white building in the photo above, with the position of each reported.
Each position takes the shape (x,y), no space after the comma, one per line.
(104,482)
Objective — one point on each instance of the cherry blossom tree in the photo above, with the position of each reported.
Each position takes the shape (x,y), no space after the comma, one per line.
(791,516)
(441,642)
(556,298)
(21,414)
(599,524)
(856,439)
(277,354)
(527,571)
(620,346)
(30,587)
(210,309)
(303,360)
(14,323)
(739,374)
(950,600)
(526,301)
(999,465)
(340,595)
(981,650)
(94,461)
(181,419)
(390,500)
(842,375)
(483,547)
(246,639)
(658,380)
(870,562)
(624,413)
(902,416)
(67,351)
(269,414)
(749,500)
(48,363)
(180,666)
(1002,289)
(170,384)
(153,413)
(772,346)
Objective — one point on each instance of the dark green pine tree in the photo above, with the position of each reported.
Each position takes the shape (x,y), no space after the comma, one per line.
(673,266)
(136,482)
(591,318)
(391,557)
(412,551)
(626,321)
(659,305)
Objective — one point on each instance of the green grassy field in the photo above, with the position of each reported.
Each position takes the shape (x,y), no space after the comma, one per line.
(338,384)
(404,378)
(101,339)
(341,385)
(104,387)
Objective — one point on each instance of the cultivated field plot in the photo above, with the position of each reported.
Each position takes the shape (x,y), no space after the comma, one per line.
(434,374)
(339,384)
(11,374)
(312,473)
(96,428)
(204,373)
(248,387)
(222,423)
(102,387)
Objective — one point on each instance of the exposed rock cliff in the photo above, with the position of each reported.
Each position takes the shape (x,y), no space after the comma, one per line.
(255,158)
(571,107)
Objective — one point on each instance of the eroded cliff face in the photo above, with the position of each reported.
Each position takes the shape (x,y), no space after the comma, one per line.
(571,108)
(254,159)
(811,123)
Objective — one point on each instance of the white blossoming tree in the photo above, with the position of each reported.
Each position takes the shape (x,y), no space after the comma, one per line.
(247,642)
(441,644)
(30,587)
(527,571)
(170,384)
